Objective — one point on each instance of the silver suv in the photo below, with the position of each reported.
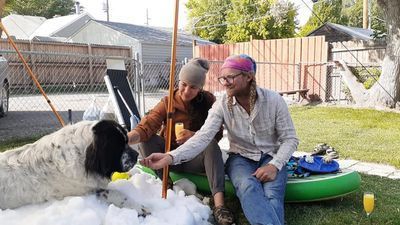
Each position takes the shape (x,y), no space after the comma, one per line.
(4,87)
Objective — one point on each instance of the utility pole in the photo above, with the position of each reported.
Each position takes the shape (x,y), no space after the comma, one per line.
(106,9)
(147,17)
(365,14)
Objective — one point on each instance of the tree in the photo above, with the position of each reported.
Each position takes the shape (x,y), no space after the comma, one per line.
(354,12)
(325,11)
(260,19)
(207,18)
(224,21)
(45,8)
(386,91)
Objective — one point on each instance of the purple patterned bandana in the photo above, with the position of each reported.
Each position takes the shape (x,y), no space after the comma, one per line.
(240,62)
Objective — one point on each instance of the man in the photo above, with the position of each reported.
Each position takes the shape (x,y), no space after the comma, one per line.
(262,139)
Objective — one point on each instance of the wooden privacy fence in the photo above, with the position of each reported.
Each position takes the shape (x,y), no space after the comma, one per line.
(370,53)
(282,64)
(60,63)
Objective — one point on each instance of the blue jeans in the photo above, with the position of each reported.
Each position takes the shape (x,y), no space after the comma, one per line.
(262,203)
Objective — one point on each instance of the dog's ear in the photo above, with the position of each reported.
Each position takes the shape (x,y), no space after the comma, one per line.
(103,155)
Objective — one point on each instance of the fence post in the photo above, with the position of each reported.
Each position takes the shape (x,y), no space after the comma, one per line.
(298,79)
(91,78)
(139,88)
(31,87)
(194,43)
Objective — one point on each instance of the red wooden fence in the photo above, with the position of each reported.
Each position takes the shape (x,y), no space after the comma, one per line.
(282,64)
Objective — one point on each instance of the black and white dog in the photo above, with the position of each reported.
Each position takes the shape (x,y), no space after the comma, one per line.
(76,160)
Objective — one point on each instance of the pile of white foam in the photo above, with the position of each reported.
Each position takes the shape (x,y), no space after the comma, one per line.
(88,210)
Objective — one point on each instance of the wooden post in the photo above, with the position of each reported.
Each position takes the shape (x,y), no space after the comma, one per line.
(365,14)
(171,99)
(32,75)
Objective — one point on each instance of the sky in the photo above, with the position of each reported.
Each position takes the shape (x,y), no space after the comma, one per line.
(177,209)
(159,12)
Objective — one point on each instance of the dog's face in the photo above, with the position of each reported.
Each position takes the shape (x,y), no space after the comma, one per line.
(109,151)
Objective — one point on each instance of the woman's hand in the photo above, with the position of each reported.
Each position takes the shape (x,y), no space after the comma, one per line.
(157,160)
(184,135)
(266,173)
(133,137)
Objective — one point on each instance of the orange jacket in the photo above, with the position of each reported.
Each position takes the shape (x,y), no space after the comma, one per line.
(155,121)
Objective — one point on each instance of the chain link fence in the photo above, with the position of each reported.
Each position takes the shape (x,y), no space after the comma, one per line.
(155,82)
(74,82)
(338,92)
(70,81)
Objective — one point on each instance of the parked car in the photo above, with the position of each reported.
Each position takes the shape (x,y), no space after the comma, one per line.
(4,87)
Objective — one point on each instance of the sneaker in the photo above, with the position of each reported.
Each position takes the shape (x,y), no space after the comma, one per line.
(331,154)
(223,215)
(320,149)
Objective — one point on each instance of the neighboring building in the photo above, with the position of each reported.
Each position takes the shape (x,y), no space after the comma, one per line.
(21,27)
(338,33)
(153,44)
(62,27)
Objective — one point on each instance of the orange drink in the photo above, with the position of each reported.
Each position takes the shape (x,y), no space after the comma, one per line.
(369,201)
(178,128)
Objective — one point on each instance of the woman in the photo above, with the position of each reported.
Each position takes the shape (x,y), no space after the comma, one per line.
(191,105)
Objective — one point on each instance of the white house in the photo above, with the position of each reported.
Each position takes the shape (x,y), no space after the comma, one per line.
(21,27)
(153,44)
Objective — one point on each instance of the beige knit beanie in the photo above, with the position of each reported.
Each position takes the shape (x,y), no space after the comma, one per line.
(194,72)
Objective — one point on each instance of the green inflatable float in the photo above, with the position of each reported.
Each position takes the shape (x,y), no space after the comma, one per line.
(312,188)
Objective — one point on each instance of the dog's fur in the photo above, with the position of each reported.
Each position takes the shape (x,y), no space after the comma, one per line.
(76,160)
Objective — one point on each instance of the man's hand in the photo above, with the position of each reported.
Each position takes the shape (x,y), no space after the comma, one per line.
(157,160)
(184,135)
(266,173)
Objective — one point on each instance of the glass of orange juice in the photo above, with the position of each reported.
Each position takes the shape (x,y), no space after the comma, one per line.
(178,128)
(369,202)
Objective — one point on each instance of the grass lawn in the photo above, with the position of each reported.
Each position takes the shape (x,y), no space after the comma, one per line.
(360,134)
(343,211)
(13,143)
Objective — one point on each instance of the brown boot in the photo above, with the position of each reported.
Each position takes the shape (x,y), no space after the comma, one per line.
(223,215)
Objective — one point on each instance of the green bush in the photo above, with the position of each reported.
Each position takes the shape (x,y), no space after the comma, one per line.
(367,76)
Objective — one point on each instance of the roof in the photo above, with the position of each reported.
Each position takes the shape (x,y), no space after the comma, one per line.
(63,26)
(49,39)
(22,26)
(153,35)
(336,32)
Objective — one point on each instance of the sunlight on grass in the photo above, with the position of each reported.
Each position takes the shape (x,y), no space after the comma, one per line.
(360,134)
(347,210)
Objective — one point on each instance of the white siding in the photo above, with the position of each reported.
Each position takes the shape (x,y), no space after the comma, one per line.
(95,33)
(162,53)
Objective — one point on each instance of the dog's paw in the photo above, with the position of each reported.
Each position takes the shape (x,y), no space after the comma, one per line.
(120,200)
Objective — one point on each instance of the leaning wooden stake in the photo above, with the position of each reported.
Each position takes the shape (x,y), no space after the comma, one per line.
(171,99)
(32,75)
